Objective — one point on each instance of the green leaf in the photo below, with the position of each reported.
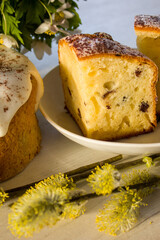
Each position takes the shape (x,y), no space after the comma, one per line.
(30,10)
(8,8)
(75,21)
(73,3)
(10,23)
(2,5)
(27,38)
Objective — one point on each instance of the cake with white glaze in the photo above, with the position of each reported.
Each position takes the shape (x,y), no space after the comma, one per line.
(109,88)
(21,88)
(147,29)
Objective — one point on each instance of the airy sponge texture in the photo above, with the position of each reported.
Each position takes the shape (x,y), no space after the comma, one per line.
(109,89)
(22,141)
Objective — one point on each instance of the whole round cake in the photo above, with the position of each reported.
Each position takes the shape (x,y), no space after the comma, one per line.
(21,88)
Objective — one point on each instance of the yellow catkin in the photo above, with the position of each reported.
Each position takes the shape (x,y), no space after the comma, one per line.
(45,204)
(121,212)
(149,162)
(136,176)
(104,180)
(3,197)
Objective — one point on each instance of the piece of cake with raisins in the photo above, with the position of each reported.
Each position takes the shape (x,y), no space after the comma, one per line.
(147,29)
(109,88)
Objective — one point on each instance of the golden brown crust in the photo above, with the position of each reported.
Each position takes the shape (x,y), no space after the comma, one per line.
(87,45)
(99,45)
(154,92)
(147,23)
(22,141)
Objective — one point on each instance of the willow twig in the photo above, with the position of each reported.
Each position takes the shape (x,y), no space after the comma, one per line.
(83,172)
(136,162)
(77,174)
(154,182)
(93,165)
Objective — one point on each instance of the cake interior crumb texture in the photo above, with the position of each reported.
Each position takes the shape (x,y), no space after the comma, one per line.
(110,96)
(147,29)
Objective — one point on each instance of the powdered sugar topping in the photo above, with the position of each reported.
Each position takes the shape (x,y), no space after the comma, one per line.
(89,44)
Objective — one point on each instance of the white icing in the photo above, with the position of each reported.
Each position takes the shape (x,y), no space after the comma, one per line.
(15,85)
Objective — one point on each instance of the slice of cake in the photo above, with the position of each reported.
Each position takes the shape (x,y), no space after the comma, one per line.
(21,88)
(109,88)
(147,29)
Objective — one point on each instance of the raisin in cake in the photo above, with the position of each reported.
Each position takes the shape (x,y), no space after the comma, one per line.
(109,88)
(21,88)
(147,29)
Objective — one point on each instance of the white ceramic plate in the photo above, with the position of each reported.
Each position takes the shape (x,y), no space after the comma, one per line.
(52,107)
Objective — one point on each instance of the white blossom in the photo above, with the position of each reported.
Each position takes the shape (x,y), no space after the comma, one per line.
(63,10)
(59,18)
(39,48)
(61,1)
(43,27)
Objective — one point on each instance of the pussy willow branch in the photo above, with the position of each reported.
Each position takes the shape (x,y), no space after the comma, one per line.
(153,183)
(91,166)
(119,166)
(155,157)
(76,172)
(83,172)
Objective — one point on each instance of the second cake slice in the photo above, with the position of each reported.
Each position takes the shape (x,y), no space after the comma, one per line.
(147,29)
(109,88)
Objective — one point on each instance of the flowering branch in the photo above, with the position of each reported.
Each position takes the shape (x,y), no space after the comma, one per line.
(76,174)
(22,23)
(57,197)
(83,172)
(46,204)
